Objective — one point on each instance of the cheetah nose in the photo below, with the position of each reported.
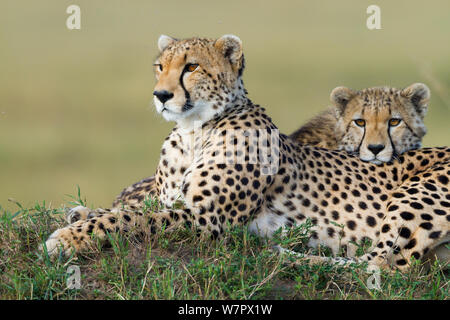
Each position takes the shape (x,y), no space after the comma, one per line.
(163,95)
(375,148)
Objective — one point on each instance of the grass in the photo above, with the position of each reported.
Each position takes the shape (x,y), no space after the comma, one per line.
(75,106)
(179,265)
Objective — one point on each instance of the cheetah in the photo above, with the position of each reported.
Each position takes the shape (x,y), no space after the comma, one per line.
(377,124)
(228,163)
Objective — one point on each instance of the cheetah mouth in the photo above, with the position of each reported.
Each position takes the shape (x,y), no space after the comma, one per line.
(377,161)
(185,108)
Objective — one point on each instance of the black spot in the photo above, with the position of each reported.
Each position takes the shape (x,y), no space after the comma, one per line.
(426,216)
(351,224)
(242,207)
(426,225)
(416,205)
(393,208)
(376,190)
(407,215)
(335,215)
(197,198)
(330,232)
(398,195)
(371,221)
(411,244)
(435,234)
(401,262)
(428,201)
(404,232)
(416,255)
(443,179)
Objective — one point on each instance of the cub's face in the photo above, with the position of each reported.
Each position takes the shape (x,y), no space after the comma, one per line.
(380,123)
(196,78)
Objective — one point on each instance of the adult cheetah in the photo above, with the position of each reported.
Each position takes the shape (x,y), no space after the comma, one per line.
(227,162)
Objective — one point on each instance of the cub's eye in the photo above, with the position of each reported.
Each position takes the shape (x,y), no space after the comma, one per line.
(360,122)
(159,66)
(191,67)
(394,122)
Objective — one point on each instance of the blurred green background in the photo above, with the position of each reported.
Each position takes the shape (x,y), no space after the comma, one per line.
(75,105)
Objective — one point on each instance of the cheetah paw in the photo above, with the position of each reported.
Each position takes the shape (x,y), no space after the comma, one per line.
(77,214)
(55,243)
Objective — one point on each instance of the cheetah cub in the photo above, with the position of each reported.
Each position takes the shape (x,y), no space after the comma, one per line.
(376,124)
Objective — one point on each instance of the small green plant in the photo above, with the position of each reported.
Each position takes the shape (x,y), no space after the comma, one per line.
(77,200)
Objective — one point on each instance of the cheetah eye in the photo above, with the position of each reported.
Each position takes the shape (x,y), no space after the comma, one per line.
(394,122)
(360,122)
(159,66)
(191,67)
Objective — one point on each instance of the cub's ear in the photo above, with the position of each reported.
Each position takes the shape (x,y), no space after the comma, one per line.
(419,95)
(165,41)
(231,48)
(340,96)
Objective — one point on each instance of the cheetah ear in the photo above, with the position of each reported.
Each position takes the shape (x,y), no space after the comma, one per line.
(231,48)
(340,96)
(164,41)
(419,95)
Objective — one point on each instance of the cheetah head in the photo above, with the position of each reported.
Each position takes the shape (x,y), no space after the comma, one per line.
(197,78)
(380,123)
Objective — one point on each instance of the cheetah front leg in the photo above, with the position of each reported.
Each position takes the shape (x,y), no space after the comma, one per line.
(79,236)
